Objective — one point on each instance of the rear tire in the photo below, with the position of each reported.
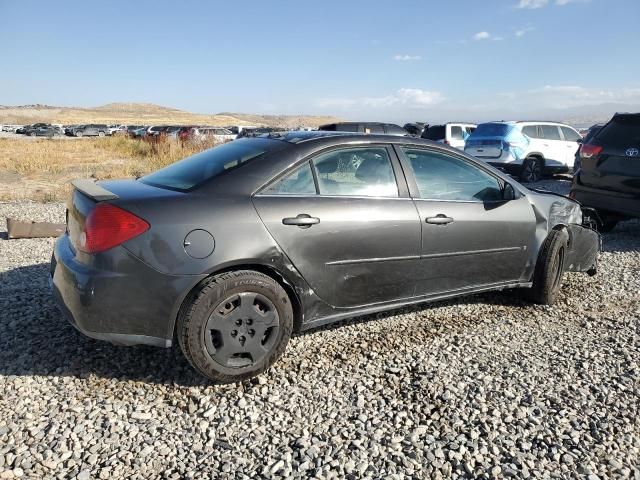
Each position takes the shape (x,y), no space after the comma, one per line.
(531,170)
(101,134)
(236,326)
(547,277)
(78,134)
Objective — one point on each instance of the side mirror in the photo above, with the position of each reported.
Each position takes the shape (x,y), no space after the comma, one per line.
(508,193)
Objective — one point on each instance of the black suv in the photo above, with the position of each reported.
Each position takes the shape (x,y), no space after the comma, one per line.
(364,127)
(608,178)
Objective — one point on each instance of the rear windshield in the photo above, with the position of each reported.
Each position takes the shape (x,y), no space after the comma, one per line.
(622,131)
(192,171)
(491,130)
(437,132)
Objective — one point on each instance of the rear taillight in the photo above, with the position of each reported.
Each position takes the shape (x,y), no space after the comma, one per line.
(107,226)
(589,151)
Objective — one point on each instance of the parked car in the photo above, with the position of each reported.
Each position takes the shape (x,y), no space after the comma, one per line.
(10,128)
(236,129)
(232,249)
(114,129)
(415,128)
(217,134)
(608,177)
(526,149)
(454,134)
(138,132)
(364,127)
(46,131)
(249,132)
(157,130)
(27,129)
(587,136)
(91,130)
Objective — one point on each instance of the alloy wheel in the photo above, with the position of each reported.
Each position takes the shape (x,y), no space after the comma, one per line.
(531,170)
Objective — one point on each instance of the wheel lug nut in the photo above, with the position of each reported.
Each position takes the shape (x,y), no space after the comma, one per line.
(242,339)
(234,333)
(249,321)
(239,322)
(252,332)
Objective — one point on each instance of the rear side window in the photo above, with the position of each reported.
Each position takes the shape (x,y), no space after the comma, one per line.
(570,135)
(356,172)
(456,133)
(550,132)
(196,169)
(437,132)
(531,131)
(623,131)
(299,182)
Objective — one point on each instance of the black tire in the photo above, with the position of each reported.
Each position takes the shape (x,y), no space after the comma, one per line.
(547,277)
(532,170)
(244,312)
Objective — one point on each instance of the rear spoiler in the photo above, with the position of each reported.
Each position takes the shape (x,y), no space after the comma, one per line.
(91,189)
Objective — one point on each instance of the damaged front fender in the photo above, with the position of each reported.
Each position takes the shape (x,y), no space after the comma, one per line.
(584,246)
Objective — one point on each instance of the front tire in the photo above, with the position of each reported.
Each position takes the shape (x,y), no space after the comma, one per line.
(236,326)
(531,170)
(547,277)
(78,134)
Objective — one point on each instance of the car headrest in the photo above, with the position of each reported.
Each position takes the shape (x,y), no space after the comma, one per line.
(328,165)
(373,168)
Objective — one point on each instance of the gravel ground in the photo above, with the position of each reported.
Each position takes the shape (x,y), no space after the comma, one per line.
(483,387)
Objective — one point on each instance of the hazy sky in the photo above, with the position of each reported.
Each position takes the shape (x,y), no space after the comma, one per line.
(378,60)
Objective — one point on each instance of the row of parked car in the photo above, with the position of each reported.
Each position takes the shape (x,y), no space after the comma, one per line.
(182,132)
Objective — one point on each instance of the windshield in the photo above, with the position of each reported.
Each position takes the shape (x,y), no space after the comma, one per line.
(491,130)
(192,171)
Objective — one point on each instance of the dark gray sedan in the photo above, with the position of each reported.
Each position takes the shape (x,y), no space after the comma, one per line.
(232,249)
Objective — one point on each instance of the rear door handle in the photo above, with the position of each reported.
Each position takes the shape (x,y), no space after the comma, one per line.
(302,220)
(439,219)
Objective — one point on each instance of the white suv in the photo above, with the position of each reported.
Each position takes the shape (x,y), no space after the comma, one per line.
(526,149)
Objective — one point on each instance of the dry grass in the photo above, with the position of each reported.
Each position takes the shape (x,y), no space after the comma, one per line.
(42,169)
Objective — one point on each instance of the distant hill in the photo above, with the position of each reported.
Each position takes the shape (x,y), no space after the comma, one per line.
(147,113)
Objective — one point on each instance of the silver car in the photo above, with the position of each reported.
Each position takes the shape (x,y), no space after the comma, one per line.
(231,250)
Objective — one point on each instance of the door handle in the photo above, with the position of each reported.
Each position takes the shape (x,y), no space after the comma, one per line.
(302,220)
(439,219)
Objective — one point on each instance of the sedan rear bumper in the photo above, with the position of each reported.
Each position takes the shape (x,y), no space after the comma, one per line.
(136,305)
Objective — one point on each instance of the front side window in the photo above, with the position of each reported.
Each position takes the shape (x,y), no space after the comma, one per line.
(550,132)
(443,177)
(357,172)
(570,135)
(299,182)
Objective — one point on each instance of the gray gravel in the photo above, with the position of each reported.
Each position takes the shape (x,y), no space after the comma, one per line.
(483,387)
